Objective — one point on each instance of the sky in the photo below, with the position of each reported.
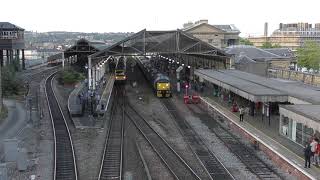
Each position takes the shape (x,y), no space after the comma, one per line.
(248,16)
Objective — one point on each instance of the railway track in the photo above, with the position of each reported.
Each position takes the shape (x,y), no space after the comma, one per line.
(65,167)
(212,164)
(33,81)
(175,164)
(246,155)
(111,164)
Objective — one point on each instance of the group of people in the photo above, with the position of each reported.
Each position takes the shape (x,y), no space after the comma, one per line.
(312,152)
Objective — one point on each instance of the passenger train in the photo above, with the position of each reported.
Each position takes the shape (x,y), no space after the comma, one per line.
(160,82)
(120,71)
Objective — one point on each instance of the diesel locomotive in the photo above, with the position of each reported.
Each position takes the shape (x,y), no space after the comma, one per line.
(160,82)
(120,71)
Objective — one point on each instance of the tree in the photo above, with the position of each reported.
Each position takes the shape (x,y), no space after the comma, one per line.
(245,41)
(11,85)
(269,45)
(309,56)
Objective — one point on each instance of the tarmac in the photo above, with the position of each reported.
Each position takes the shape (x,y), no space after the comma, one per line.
(15,121)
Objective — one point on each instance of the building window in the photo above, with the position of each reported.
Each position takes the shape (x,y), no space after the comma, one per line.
(308,132)
(210,41)
(299,133)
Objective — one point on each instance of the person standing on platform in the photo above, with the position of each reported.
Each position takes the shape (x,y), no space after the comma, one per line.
(241,111)
(314,145)
(317,154)
(307,155)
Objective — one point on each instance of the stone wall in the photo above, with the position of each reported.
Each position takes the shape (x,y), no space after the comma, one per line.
(280,64)
(307,78)
(258,68)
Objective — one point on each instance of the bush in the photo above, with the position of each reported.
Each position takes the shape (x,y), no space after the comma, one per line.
(70,76)
(11,85)
(3,113)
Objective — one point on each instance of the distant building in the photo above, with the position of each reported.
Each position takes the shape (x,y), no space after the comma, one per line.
(219,36)
(290,36)
(11,42)
(257,61)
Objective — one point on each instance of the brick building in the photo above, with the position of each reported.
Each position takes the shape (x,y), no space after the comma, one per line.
(219,36)
(290,36)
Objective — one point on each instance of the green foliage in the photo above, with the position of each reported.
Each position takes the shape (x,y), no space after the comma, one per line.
(11,85)
(309,55)
(245,41)
(70,76)
(3,113)
(269,45)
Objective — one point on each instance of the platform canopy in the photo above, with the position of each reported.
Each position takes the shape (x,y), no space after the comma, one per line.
(246,89)
(160,42)
(307,114)
(82,46)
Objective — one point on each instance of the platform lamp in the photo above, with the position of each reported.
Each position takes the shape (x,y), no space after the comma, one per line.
(86,67)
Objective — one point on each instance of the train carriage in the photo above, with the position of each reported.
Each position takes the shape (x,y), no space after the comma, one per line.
(120,71)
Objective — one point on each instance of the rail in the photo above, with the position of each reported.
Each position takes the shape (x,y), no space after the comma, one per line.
(174,162)
(65,166)
(212,164)
(111,161)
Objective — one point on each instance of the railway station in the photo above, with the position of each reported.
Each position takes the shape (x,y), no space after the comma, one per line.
(273,104)
(165,104)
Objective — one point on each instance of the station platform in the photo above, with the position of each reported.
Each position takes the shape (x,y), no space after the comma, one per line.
(287,154)
(81,116)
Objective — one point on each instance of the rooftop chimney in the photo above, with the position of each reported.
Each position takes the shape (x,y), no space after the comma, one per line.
(265,29)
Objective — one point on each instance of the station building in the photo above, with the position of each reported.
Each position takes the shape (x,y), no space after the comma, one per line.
(11,43)
(292,35)
(258,61)
(219,36)
(296,106)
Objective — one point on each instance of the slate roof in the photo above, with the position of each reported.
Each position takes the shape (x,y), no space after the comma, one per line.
(243,59)
(285,52)
(227,28)
(9,26)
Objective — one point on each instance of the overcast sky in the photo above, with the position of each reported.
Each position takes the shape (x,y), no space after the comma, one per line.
(134,15)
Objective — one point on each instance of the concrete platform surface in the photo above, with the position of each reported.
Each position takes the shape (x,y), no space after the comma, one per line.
(286,154)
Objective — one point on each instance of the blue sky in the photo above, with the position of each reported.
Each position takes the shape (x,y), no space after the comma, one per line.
(133,15)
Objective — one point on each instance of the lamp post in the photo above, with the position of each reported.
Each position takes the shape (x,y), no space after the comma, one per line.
(87,78)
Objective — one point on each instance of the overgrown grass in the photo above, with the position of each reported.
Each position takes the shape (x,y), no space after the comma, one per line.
(11,85)
(70,76)
(3,113)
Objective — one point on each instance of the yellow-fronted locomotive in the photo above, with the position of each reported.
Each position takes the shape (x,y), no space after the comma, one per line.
(161,85)
(160,82)
(120,71)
